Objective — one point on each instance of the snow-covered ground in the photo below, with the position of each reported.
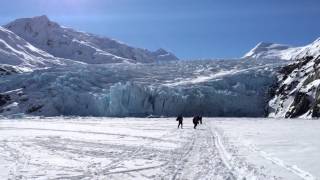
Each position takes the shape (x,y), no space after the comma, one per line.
(140,148)
(289,147)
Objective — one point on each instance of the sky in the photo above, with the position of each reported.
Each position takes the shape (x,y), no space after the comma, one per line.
(191,29)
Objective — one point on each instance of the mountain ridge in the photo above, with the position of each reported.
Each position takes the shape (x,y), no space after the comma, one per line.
(266,50)
(68,43)
(18,54)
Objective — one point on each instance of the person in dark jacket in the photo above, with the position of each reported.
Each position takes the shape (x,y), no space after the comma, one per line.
(200,119)
(180,119)
(195,121)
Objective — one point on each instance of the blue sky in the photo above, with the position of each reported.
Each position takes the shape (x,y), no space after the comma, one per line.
(189,28)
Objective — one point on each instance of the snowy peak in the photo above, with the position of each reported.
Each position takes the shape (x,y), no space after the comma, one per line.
(272,46)
(317,41)
(38,20)
(160,52)
(283,52)
(18,53)
(163,55)
(79,46)
(311,50)
(265,49)
(32,25)
(42,18)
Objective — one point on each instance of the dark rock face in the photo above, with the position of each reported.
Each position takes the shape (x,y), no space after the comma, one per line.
(7,70)
(297,92)
(4,99)
(34,109)
(287,70)
(10,102)
(301,105)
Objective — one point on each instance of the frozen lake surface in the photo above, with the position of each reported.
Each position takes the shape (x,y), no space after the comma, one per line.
(140,148)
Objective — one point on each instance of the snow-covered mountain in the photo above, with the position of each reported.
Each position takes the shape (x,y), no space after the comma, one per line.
(72,77)
(297,93)
(18,55)
(284,52)
(79,46)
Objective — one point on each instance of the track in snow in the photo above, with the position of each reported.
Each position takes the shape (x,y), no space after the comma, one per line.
(117,149)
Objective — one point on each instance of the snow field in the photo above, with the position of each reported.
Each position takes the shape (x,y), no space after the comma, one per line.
(288,148)
(138,148)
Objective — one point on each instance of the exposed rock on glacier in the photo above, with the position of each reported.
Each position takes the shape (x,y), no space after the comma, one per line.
(79,46)
(297,92)
(211,88)
(8,70)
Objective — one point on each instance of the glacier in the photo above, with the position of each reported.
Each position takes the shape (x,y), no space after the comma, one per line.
(48,69)
(211,88)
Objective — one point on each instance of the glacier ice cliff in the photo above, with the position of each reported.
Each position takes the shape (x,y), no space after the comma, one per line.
(211,88)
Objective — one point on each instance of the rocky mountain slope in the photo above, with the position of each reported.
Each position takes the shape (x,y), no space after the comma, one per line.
(284,52)
(79,46)
(297,93)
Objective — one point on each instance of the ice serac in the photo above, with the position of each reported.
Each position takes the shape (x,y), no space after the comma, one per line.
(284,52)
(67,43)
(297,94)
(213,88)
(17,55)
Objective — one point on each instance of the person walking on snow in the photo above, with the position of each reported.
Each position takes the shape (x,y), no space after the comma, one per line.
(195,121)
(200,119)
(180,119)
